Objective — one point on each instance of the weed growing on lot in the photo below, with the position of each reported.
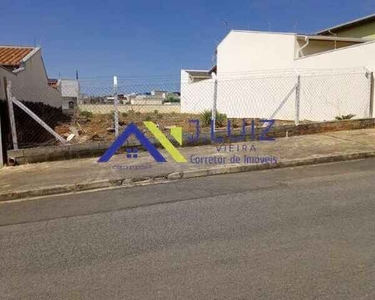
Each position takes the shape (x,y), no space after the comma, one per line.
(220,119)
(86,114)
(345,117)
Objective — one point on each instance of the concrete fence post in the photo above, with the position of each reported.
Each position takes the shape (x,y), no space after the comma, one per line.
(298,100)
(2,157)
(115,103)
(214,104)
(12,119)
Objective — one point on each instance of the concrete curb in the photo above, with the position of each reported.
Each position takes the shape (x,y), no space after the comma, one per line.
(137,181)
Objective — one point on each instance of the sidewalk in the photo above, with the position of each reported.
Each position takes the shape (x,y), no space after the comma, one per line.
(84,174)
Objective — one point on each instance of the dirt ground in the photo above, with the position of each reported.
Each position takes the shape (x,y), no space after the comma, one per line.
(100,127)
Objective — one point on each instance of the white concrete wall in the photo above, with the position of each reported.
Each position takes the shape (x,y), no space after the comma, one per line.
(354,56)
(108,108)
(31,84)
(255,74)
(341,94)
(257,96)
(246,51)
(196,97)
(323,95)
(147,101)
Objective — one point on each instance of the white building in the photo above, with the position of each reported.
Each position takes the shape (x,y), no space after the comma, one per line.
(159,94)
(70,93)
(255,72)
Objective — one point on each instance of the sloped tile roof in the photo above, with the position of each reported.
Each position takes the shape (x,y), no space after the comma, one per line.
(12,56)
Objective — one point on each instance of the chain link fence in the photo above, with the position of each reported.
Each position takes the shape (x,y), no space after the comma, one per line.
(290,95)
(97,109)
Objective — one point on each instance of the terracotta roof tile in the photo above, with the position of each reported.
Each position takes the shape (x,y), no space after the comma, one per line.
(12,56)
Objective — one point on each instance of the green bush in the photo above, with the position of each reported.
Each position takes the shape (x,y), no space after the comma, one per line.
(148,118)
(171,99)
(220,118)
(124,114)
(206,118)
(86,114)
(156,111)
(345,117)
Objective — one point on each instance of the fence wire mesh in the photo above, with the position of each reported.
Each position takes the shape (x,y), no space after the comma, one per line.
(84,111)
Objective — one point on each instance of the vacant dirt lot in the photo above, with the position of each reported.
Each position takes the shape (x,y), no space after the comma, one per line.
(100,127)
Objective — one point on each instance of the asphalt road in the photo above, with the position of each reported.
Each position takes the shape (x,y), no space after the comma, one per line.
(302,233)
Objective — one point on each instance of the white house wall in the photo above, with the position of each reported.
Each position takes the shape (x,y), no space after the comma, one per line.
(267,60)
(257,96)
(243,51)
(341,94)
(323,95)
(354,56)
(196,97)
(10,76)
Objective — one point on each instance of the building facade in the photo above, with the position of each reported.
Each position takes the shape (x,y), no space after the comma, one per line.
(255,71)
(24,67)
